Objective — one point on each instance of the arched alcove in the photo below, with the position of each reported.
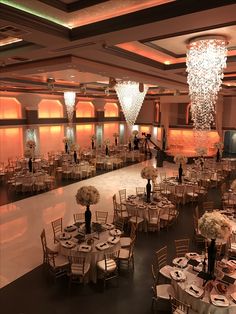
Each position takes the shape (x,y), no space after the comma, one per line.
(111,110)
(10,108)
(50,108)
(84,109)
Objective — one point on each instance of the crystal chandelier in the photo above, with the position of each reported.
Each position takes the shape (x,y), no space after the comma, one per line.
(131,98)
(69,98)
(206,59)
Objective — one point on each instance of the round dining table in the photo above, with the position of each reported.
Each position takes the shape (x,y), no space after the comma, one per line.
(73,242)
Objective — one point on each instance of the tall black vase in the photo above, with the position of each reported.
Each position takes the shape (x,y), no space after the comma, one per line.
(87,216)
(66,147)
(107,151)
(211,250)
(180,173)
(218,155)
(116,141)
(148,190)
(92,144)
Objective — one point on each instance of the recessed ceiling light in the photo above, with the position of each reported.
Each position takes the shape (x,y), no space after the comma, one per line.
(167,62)
(72,76)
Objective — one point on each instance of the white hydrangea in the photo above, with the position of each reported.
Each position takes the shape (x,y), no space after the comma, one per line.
(180,159)
(135,132)
(201,151)
(31,144)
(27,153)
(115,135)
(149,173)
(87,195)
(93,137)
(219,145)
(214,225)
(107,141)
(66,140)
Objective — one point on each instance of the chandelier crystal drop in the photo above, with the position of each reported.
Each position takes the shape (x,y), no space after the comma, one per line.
(130,98)
(206,59)
(69,98)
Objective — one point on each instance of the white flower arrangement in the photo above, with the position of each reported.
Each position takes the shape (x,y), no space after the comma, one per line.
(219,145)
(107,141)
(180,159)
(87,195)
(149,173)
(115,135)
(66,140)
(93,137)
(31,144)
(201,151)
(135,132)
(74,147)
(233,185)
(28,153)
(214,225)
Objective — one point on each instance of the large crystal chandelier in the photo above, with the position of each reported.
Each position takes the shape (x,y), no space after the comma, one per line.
(131,98)
(206,59)
(69,98)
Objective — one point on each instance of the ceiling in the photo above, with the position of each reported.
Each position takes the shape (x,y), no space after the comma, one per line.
(49,46)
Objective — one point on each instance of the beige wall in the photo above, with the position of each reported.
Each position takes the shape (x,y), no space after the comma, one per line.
(229,112)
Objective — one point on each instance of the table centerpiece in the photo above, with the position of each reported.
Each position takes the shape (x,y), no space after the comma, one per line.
(86,196)
(214,226)
(149,173)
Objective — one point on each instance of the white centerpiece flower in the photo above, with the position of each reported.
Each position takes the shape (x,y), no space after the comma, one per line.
(30,144)
(219,145)
(87,195)
(149,173)
(115,135)
(135,132)
(201,151)
(214,225)
(180,159)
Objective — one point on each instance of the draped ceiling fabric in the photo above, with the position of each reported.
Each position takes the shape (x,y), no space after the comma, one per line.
(219,116)
(165,120)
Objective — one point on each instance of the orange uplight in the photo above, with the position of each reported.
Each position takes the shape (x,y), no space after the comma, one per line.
(83,133)
(84,109)
(50,108)
(51,138)
(144,129)
(111,110)
(109,130)
(54,212)
(12,230)
(11,143)
(10,108)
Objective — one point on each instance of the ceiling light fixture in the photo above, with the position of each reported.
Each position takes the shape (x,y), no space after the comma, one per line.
(69,98)
(131,96)
(206,59)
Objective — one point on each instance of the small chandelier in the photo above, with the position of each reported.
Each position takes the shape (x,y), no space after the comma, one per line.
(131,96)
(69,98)
(206,59)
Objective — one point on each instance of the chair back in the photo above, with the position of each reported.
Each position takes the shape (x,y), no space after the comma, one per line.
(101,216)
(161,257)
(79,261)
(119,224)
(109,261)
(208,206)
(133,231)
(57,228)
(44,244)
(181,247)
(122,194)
(178,306)
(79,217)
(140,191)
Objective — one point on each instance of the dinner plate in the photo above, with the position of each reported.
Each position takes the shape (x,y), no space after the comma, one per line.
(180,261)
(178,275)
(232,263)
(113,240)
(108,226)
(68,244)
(70,228)
(194,290)
(102,246)
(192,255)
(115,232)
(64,236)
(219,300)
(84,248)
